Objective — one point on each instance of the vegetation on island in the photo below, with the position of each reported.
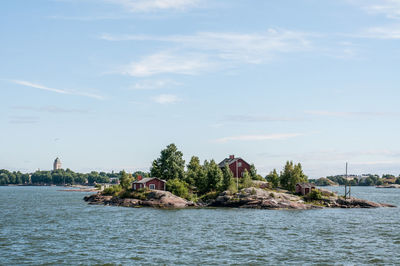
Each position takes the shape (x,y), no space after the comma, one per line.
(353,180)
(288,178)
(60,177)
(206,180)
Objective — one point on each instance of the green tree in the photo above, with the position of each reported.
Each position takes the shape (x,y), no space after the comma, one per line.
(178,188)
(253,172)
(169,165)
(246,180)
(214,176)
(125,180)
(194,172)
(273,178)
(227,179)
(291,175)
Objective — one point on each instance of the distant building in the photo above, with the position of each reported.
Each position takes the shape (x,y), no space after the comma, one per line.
(149,182)
(237,165)
(57,164)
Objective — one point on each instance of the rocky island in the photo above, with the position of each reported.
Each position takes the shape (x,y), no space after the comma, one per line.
(252,197)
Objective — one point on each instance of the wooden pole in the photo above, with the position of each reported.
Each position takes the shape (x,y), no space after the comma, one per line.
(345,184)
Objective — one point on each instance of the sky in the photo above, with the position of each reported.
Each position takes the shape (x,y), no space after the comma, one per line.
(107,84)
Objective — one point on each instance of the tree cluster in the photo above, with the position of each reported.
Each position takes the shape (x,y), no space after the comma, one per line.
(57,177)
(288,177)
(199,179)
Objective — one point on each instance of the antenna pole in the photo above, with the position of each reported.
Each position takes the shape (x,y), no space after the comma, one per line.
(345,184)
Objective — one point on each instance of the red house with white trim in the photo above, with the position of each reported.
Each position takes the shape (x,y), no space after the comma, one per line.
(237,165)
(149,182)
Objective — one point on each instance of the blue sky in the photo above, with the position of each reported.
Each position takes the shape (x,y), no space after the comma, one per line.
(107,84)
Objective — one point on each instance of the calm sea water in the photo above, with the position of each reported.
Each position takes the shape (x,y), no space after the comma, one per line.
(41,225)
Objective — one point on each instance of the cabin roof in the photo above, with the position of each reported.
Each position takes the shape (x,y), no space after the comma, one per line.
(306,185)
(229,161)
(147,179)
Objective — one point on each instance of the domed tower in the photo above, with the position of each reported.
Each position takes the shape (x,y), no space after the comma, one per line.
(57,164)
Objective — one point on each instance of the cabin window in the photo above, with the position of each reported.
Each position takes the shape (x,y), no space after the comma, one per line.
(152,186)
(134,186)
(239,164)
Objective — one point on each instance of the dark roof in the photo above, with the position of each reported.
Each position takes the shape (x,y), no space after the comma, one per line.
(147,179)
(229,161)
(306,185)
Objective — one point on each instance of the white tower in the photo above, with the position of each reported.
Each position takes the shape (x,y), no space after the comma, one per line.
(57,164)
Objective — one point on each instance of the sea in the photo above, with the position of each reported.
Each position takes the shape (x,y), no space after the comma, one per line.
(44,225)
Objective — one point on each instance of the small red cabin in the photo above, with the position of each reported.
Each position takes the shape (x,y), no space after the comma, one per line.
(237,165)
(304,188)
(149,182)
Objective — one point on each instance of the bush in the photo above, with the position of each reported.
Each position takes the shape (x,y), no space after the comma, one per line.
(209,196)
(178,188)
(315,194)
(112,191)
(140,193)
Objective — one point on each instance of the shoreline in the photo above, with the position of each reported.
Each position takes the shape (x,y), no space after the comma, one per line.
(251,198)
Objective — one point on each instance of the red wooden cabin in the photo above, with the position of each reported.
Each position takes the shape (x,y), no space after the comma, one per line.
(237,165)
(149,182)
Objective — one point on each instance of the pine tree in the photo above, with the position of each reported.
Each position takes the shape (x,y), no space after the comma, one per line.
(227,180)
(169,165)
(273,178)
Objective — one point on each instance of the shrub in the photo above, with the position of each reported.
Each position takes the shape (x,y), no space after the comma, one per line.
(178,188)
(209,196)
(314,195)
(112,191)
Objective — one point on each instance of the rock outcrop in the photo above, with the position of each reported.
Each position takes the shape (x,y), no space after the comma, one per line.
(257,198)
(252,197)
(155,198)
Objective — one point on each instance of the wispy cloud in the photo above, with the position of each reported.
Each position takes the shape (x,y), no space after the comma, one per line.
(351,114)
(258,118)
(87,18)
(247,47)
(60,91)
(154,84)
(389,8)
(51,109)
(23,120)
(167,63)
(166,99)
(154,5)
(391,32)
(259,137)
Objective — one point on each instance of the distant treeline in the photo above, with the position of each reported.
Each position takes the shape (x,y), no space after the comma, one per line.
(59,177)
(365,180)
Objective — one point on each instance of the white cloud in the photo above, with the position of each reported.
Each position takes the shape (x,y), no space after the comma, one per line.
(60,91)
(259,118)
(37,86)
(166,99)
(154,84)
(167,63)
(152,5)
(23,120)
(208,51)
(51,109)
(259,137)
(388,32)
(250,48)
(389,8)
(351,114)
